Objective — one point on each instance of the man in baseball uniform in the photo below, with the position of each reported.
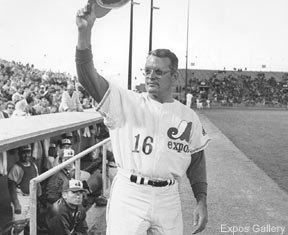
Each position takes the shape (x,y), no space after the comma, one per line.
(155,141)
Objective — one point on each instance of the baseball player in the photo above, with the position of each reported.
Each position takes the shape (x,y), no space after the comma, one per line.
(189,97)
(155,141)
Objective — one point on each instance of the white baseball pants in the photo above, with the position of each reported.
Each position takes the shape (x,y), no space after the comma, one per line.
(135,209)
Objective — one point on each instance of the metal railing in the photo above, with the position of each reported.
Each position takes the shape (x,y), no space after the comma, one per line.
(45,175)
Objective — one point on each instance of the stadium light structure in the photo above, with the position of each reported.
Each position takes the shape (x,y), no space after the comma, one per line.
(187,45)
(151,24)
(131,44)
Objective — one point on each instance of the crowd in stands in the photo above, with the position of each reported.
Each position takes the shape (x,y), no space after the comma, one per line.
(43,88)
(240,89)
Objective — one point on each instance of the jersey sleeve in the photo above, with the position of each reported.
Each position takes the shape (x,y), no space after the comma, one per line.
(16,174)
(199,138)
(111,106)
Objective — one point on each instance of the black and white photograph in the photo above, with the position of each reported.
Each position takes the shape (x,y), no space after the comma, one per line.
(143,117)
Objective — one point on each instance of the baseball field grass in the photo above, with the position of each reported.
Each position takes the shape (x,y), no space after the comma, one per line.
(262,135)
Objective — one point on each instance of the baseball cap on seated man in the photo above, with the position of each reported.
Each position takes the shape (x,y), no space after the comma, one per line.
(66,141)
(24,148)
(67,135)
(74,186)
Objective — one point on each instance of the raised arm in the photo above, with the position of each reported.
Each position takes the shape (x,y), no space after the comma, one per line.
(94,83)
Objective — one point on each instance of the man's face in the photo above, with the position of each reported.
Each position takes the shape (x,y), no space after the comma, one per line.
(73,198)
(10,109)
(70,166)
(70,89)
(21,90)
(25,156)
(44,102)
(86,102)
(158,78)
(66,146)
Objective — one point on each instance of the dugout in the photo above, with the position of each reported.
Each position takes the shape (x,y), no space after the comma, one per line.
(16,132)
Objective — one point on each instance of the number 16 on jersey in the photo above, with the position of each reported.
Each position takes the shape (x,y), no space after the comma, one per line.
(144,145)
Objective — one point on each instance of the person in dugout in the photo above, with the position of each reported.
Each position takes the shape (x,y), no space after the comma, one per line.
(19,178)
(67,215)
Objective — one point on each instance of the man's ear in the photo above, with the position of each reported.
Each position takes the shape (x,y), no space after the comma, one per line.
(64,195)
(175,76)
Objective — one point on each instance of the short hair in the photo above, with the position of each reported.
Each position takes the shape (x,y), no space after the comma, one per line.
(9,103)
(29,98)
(70,87)
(166,53)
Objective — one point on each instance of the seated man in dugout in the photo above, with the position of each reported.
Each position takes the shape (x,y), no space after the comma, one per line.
(66,216)
(66,143)
(55,183)
(19,178)
(65,147)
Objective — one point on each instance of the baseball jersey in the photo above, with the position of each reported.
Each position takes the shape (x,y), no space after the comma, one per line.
(148,137)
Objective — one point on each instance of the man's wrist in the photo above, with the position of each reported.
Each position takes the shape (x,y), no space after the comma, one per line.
(83,38)
(201,197)
(199,189)
(84,30)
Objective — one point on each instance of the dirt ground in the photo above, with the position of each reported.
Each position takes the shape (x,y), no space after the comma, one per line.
(261,134)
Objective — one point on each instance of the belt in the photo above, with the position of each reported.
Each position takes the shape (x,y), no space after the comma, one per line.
(156,183)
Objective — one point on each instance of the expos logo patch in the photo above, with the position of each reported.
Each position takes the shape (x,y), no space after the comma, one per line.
(182,132)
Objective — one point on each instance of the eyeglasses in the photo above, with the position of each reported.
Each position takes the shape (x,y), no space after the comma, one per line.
(158,72)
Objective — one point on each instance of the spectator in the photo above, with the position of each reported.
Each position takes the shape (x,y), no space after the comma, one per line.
(70,100)
(24,106)
(3,114)
(16,96)
(70,103)
(21,109)
(9,108)
(86,103)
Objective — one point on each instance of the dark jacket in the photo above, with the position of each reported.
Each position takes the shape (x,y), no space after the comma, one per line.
(65,220)
(54,185)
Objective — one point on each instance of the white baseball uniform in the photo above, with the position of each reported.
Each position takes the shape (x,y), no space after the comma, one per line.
(189,97)
(153,140)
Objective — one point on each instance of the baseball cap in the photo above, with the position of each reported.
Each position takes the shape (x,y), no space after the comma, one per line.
(67,135)
(24,148)
(100,11)
(103,7)
(111,4)
(73,185)
(66,141)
